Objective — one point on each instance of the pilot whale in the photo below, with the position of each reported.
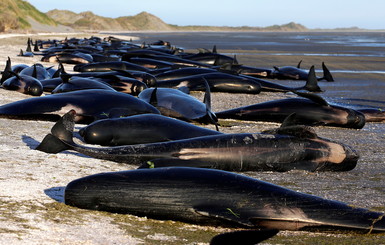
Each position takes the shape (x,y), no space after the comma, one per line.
(216,197)
(138,129)
(310,109)
(90,105)
(291,148)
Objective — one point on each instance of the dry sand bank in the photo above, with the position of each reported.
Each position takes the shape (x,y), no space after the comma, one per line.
(30,178)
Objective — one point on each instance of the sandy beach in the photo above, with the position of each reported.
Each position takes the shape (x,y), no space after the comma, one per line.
(32,182)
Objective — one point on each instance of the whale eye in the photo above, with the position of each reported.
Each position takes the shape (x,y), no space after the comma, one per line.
(35,90)
(150,81)
(139,88)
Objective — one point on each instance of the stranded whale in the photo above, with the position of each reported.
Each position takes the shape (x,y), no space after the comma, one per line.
(294,148)
(215,197)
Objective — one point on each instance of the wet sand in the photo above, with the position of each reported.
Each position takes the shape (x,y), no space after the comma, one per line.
(32,180)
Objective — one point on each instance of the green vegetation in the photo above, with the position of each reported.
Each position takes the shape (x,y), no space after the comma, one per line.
(14,15)
(32,12)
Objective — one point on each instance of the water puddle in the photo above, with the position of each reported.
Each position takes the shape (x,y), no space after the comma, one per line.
(356,72)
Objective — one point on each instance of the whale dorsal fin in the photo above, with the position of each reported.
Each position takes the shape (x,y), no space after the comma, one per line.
(207,97)
(7,71)
(235,61)
(8,65)
(215,49)
(65,77)
(34,73)
(327,75)
(36,47)
(312,82)
(153,98)
(299,64)
(29,49)
(60,69)
(217,61)
(207,101)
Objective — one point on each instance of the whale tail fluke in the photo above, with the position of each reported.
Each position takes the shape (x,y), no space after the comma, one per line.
(61,135)
(327,75)
(52,144)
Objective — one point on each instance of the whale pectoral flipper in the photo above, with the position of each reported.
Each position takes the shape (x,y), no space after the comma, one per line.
(289,127)
(313,97)
(227,214)
(184,89)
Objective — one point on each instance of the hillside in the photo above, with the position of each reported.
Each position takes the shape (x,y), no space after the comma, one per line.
(90,21)
(147,22)
(17,15)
